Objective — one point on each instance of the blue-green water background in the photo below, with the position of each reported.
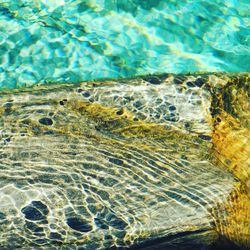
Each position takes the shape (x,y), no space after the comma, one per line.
(76,40)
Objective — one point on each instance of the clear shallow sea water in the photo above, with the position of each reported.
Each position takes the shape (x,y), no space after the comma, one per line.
(76,40)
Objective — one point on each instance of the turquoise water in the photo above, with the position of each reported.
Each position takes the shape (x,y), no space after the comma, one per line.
(71,41)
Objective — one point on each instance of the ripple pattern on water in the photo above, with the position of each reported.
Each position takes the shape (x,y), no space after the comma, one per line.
(72,41)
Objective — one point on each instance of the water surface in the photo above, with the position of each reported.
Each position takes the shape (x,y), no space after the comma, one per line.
(77,40)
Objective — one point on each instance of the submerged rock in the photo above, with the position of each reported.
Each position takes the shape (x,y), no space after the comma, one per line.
(132,163)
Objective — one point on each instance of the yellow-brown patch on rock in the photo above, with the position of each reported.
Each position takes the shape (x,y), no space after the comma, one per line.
(231,140)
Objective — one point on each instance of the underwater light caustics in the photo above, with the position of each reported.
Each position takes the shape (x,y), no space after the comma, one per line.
(125,162)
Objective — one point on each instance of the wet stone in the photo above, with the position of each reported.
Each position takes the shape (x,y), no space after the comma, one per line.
(55,236)
(103,194)
(92,246)
(49,132)
(171,118)
(24,154)
(35,211)
(119,112)
(174,119)
(40,241)
(141,116)
(34,227)
(46,178)
(7,139)
(46,121)
(92,209)
(155,79)
(100,223)
(91,166)
(108,237)
(7,109)
(107,217)
(138,105)
(85,186)
(120,234)
(205,137)
(83,211)
(161,199)
(128,99)
(158,101)
(86,94)
(8,105)
(218,119)
(30,181)
(199,82)
(2,216)
(190,84)
(32,213)
(40,111)
(179,80)
(115,221)
(108,181)
(157,116)
(43,208)
(174,196)
(172,108)
(79,224)
(116,161)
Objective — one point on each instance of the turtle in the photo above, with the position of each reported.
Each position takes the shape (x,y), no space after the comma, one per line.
(151,162)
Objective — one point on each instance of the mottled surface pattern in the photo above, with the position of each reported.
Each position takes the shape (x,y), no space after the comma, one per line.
(117,163)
